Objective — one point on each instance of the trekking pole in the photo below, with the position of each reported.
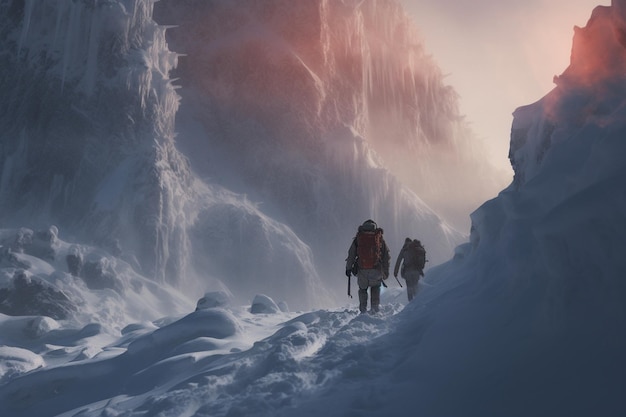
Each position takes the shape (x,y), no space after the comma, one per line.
(398,281)
(350,295)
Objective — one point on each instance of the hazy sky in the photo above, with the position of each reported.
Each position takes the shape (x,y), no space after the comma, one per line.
(499,54)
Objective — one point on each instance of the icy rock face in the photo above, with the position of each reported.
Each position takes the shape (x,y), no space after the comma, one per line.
(556,235)
(567,152)
(87,127)
(588,93)
(29,296)
(41,244)
(288,116)
(87,143)
(286,97)
(100,290)
(539,290)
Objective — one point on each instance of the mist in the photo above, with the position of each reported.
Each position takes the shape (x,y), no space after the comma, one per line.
(235,147)
(363,67)
(164,217)
(499,56)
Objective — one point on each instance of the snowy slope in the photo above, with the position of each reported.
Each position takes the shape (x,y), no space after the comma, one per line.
(527,319)
(216,361)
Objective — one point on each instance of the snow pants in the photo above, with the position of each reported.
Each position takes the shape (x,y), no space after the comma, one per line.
(412,277)
(369,278)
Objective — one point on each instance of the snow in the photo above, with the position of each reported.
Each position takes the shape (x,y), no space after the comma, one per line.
(262,304)
(527,318)
(116,353)
(214,299)
(16,361)
(212,360)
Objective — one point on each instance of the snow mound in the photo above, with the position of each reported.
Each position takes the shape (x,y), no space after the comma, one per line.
(16,361)
(214,299)
(262,304)
(213,323)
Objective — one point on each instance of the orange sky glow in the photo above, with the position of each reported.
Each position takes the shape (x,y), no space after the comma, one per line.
(499,55)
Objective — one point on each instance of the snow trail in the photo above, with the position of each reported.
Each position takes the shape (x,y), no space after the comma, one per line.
(209,362)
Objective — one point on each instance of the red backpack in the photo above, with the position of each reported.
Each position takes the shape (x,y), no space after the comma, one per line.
(369,245)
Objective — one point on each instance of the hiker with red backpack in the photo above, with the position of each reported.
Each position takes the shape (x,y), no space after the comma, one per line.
(368,259)
(413,259)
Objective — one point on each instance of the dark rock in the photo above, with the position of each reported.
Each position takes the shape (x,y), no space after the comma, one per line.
(23,239)
(8,259)
(41,244)
(29,296)
(98,276)
(74,261)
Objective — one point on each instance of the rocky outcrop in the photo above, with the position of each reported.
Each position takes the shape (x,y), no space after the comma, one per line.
(30,296)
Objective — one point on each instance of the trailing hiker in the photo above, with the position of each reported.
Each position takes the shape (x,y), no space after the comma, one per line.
(368,259)
(413,259)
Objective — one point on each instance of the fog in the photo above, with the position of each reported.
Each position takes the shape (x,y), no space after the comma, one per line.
(499,55)
(229,147)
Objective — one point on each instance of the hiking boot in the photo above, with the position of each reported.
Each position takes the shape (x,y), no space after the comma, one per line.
(362,300)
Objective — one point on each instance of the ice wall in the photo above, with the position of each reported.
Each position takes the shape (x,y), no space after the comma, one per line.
(87,144)
(281,100)
(536,298)
(589,90)
(375,53)
(87,128)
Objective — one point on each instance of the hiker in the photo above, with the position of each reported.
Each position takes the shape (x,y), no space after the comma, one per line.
(368,259)
(413,258)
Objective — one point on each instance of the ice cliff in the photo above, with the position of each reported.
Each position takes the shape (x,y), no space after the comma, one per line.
(258,169)
(372,109)
(87,128)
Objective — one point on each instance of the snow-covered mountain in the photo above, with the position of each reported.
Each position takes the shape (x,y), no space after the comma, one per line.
(259,169)
(526,319)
